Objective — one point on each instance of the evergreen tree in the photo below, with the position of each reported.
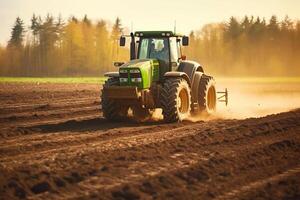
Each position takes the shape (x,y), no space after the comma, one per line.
(60,24)
(233,29)
(257,29)
(74,19)
(35,26)
(273,26)
(286,25)
(246,24)
(17,34)
(117,29)
(86,20)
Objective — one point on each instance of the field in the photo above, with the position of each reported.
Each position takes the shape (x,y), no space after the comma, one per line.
(38,80)
(54,144)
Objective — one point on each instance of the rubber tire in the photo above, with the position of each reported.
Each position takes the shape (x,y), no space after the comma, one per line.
(207,102)
(111,109)
(169,99)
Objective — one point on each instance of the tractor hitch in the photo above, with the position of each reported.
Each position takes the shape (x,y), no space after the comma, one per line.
(223,96)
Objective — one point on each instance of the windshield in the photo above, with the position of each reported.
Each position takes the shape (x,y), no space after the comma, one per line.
(157,48)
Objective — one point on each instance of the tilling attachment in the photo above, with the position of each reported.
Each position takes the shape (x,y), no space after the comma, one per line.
(223,96)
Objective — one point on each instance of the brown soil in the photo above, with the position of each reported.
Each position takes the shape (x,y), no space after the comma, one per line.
(54,144)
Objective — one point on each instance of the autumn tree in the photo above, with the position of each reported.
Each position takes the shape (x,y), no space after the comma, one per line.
(115,35)
(102,46)
(89,48)
(73,47)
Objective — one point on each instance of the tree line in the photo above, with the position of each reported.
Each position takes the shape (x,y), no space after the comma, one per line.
(51,46)
(249,47)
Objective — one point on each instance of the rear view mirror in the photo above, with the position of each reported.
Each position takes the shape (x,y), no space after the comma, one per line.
(185,41)
(122,41)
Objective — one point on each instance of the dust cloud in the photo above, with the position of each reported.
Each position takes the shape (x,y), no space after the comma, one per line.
(258,97)
(255,97)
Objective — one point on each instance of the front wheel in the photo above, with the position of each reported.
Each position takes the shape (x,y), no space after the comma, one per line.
(111,109)
(176,99)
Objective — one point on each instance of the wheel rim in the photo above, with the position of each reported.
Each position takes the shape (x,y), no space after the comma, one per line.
(183,101)
(211,98)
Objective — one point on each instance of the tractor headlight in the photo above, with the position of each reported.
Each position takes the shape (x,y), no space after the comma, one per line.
(123,71)
(136,80)
(123,80)
(134,71)
(135,75)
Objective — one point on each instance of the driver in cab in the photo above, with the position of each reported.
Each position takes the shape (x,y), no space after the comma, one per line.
(159,50)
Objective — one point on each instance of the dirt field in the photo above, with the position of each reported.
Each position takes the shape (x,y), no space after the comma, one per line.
(54,144)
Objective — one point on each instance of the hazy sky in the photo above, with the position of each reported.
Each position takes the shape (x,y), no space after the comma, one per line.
(146,15)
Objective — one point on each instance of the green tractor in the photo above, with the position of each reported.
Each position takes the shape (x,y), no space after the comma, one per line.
(158,76)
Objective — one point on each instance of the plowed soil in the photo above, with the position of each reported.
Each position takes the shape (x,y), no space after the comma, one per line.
(55,144)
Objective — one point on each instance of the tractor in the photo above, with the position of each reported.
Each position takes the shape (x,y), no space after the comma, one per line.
(158,76)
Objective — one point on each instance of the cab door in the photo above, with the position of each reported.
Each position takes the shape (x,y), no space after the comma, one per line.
(174,53)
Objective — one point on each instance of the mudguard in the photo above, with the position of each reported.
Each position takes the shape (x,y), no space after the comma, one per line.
(195,86)
(190,67)
(179,74)
(112,74)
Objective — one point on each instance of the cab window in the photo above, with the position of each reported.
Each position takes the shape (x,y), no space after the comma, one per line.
(144,49)
(157,48)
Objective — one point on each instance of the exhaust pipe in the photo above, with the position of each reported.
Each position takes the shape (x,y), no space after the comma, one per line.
(132,47)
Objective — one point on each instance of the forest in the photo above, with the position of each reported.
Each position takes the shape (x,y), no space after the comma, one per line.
(52,47)
(248,47)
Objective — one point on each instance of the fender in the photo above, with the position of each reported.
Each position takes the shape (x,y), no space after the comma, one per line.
(112,74)
(195,87)
(178,74)
(190,67)
(200,69)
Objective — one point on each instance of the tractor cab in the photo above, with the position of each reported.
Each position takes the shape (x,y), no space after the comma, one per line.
(164,46)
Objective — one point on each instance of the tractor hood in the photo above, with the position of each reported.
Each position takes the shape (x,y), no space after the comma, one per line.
(138,63)
(146,69)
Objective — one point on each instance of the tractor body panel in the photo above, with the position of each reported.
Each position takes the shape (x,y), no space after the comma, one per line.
(139,73)
(122,92)
(112,74)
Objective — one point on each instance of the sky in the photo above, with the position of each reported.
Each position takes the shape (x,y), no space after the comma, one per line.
(145,14)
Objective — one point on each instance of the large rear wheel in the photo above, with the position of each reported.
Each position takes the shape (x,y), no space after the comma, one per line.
(207,97)
(176,99)
(111,109)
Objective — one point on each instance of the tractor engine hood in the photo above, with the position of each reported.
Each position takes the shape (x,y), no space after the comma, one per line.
(139,72)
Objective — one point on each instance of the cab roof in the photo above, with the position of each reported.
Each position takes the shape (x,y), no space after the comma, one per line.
(156,34)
